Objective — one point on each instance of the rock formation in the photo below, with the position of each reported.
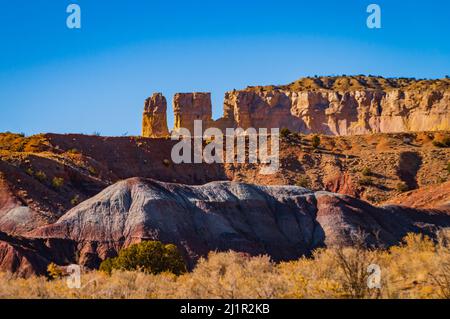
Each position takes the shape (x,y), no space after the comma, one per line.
(25,256)
(188,107)
(328,105)
(282,221)
(154,122)
(435,196)
(341,113)
(86,165)
(29,200)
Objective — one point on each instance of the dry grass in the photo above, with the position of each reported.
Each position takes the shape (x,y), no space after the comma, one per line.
(19,143)
(419,268)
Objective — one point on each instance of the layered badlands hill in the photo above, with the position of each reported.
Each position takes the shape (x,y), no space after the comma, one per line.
(282,221)
(427,197)
(43,176)
(345,105)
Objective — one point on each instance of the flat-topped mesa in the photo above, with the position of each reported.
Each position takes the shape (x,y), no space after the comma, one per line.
(154,119)
(344,106)
(188,107)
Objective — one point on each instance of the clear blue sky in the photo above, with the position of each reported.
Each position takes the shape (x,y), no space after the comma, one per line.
(53,79)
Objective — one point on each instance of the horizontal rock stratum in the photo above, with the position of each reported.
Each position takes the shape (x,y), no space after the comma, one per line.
(283,221)
(344,105)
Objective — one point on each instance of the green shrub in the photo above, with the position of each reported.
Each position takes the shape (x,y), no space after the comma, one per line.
(365,181)
(438,144)
(149,256)
(303,181)
(315,142)
(402,187)
(75,200)
(108,265)
(41,176)
(444,143)
(92,170)
(57,182)
(366,171)
(284,133)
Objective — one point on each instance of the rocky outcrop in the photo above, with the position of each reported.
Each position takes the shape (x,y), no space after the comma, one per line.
(341,113)
(434,196)
(154,120)
(328,105)
(188,107)
(25,256)
(282,221)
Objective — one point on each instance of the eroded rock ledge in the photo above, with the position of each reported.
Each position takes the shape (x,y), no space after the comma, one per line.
(328,105)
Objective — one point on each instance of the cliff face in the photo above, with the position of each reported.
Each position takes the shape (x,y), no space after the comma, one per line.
(154,120)
(328,105)
(341,113)
(188,107)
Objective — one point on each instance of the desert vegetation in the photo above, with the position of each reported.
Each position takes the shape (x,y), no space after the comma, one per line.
(402,187)
(444,142)
(284,133)
(14,142)
(365,181)
(149,256)
(417,268)
(303,181)
(356,82)
(315,141)
(57,182)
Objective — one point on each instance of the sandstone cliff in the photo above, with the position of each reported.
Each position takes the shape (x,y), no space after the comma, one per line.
(188,107)
(328,105)
(341,113)
(282,221)
(154,119)
(344,105)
